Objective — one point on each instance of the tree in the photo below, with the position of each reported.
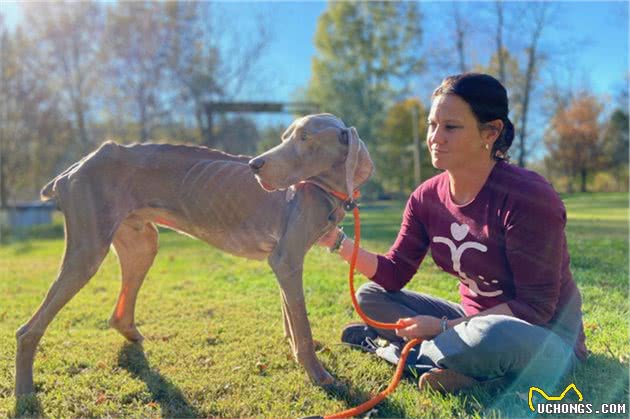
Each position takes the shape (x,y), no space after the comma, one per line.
(192,62)
(363,49)
(575,144)
(461,28)
(500,50)
(204,64)
(4,114)
(539,19)
(68,36)
(33,130)
(138,41)
(238,135)
(616,139)
(396,149)
(615,148)
(270,137)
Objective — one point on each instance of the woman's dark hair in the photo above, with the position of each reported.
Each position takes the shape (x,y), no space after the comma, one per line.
(488,101)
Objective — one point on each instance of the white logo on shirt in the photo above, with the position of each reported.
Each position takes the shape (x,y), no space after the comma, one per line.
(459,233)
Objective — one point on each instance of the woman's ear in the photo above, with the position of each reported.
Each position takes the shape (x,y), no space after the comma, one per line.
(491,131)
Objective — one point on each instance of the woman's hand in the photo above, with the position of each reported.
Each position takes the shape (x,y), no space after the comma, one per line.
(329,239)
(424,327)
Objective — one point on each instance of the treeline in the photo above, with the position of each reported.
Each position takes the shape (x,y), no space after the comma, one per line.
(75,74)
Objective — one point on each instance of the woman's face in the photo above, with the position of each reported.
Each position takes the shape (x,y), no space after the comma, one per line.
(453,136)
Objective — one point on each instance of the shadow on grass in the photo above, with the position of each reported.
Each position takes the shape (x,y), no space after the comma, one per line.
(28,406)
(342,391)
(170,398)
(604,378)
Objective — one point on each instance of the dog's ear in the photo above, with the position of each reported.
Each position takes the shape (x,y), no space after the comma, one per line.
(358,162)
(365,166)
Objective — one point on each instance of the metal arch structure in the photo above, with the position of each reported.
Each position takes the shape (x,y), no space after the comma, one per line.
(212,108)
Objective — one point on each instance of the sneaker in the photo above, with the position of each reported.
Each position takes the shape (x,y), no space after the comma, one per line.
(360,336)
(445,381)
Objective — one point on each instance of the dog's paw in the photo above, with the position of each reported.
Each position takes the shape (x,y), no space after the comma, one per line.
(337,388)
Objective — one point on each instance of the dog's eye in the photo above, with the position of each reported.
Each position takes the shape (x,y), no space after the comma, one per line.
(304,136)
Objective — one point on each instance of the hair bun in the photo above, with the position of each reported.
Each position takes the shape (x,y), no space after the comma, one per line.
(508,132)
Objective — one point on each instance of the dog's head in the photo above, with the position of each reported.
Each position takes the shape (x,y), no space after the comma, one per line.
(317,148)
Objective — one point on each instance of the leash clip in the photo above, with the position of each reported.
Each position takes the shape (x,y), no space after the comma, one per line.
(349,205)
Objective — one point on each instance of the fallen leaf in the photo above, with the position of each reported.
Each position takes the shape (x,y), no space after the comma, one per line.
(261,366)
(323,350)
(591,326)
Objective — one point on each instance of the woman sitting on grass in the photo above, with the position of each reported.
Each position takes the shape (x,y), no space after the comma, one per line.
(499,229)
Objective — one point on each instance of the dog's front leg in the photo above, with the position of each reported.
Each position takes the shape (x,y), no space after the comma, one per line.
(289,277)
(285,321)
(307,221)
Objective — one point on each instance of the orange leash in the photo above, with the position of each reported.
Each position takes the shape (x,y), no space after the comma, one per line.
(355,411)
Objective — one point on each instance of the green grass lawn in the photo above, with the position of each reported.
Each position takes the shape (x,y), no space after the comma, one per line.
(214,343)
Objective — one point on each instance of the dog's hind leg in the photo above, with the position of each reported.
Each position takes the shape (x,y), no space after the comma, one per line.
(87,244)
(136,244)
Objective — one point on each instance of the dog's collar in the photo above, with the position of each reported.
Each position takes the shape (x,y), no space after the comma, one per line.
(348,202)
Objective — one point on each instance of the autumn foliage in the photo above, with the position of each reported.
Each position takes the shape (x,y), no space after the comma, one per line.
(575,142)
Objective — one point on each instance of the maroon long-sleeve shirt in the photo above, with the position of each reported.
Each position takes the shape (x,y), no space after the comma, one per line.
(506,246)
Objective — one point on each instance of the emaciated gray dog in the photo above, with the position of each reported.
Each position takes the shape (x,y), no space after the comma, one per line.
(275,206)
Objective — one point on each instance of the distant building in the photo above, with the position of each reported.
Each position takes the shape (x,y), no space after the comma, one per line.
(26,214)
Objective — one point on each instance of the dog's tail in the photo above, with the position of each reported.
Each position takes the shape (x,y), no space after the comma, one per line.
(48,192)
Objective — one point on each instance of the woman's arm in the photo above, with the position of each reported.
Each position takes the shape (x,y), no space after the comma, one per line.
(367,262)
(535,247)
(394,269)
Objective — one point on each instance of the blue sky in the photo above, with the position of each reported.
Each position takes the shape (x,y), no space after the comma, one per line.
(596,32)
(599,31)
(590,37)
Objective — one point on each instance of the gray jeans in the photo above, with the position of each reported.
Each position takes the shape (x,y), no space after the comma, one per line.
(484,347)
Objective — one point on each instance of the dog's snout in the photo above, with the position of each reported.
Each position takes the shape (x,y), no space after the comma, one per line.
(256,164)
